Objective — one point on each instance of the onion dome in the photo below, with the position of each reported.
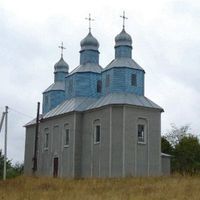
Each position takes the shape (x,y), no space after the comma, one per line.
(61,66)
(89,43)
(123,39)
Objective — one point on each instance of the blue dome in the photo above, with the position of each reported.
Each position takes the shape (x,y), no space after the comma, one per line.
(61,66)
(123,39)
(89,43)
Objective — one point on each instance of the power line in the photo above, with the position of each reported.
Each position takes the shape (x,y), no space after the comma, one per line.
(21,113)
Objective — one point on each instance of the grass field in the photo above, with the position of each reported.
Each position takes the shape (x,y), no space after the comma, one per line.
(174,187)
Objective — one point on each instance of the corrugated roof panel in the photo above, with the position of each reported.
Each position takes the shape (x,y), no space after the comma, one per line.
(123,62)
(59,85)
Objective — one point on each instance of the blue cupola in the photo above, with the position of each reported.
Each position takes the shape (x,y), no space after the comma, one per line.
(89,50)
(85,80)
(123,74)
(55,93)
(61,69)
(123,45)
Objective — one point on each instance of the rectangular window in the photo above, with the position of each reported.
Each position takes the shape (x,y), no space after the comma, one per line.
(70,86)
(46,141)
(141,133)
(66,138)
(99,86)
(97,134)
(134,80)
(107,80)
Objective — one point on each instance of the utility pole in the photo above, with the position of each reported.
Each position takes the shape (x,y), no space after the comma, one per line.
(5,143)
(36,139)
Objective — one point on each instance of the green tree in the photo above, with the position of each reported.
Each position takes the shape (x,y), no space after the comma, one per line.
(166,147)
(187,155)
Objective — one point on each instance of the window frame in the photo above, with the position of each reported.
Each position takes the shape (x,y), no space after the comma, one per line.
(143,141)
(95,125)
(99,86)
(65,134)
(134,80)
(46,138)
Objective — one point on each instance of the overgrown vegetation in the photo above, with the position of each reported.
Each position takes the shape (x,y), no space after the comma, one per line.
(184,148)
(12,170)
(165,188)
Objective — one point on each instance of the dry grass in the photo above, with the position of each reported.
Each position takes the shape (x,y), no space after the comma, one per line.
(174,187)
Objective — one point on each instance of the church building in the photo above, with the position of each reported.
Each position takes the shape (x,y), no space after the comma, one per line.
(96,121)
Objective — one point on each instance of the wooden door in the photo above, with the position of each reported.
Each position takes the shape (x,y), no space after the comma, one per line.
(55,167)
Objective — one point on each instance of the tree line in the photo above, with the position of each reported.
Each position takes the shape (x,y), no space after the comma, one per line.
(184,148)
(13,170)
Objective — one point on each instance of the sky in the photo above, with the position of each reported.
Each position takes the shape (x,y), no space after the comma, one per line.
(166,43)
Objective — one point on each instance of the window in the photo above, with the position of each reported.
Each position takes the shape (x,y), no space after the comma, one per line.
(99,86)
(70,85)
(46,100)
(97,134)
(134,80)
(141,133)
(46,138)
(66,138)
(107,80)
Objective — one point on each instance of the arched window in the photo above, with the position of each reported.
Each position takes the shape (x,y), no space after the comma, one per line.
(66,135)
(99,86)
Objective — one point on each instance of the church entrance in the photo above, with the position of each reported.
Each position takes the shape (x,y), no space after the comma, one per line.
(55,167)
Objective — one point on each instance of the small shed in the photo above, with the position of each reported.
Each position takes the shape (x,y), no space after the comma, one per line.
(165,164)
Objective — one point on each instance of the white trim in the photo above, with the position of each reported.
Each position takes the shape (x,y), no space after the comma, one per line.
(136,147)
(74,144)
(110,149)
(123,140)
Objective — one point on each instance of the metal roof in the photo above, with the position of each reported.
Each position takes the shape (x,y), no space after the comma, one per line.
(75,104)
(33,121)
(124,98)
(123,62)
(58,85)
(85,103)
(88,67)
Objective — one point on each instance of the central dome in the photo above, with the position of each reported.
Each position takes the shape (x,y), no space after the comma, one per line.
(123,39)
(89,43)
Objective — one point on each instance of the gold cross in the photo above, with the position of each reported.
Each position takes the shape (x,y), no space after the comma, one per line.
(124,18)
(89,19)
(62,48)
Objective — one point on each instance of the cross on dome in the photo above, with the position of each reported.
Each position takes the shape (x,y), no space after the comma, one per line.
(124,18)
(62,48)
(89,20)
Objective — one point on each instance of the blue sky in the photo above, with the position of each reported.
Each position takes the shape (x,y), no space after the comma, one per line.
(166,44)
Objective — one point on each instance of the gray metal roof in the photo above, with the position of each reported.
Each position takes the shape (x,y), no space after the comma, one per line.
(58,85)
(124,98)
(85,103)
(123,39)
(61,66)
(88,67)
(75,104)
(89,43)
(32,121)
(123,62)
